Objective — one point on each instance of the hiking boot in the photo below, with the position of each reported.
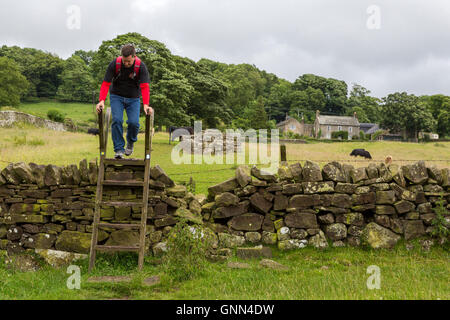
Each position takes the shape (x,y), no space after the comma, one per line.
(119,155)
(129,150)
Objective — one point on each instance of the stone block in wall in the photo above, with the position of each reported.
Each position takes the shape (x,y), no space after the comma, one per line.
(333,171)
(93,172)
(358,174)
(247,222)
(260,203)
(365,198)
(311,172)
(122,213)
(52,175)
(318,241)
(10,175)
(345,188)
(413,215)
(351,218)
(379,237)
(84,171)
(292,188)
(336,231)
(301,201)
(188,215)
(262,175)
(73,241)
(165,221)
(301,220)
(416,173)
(318,187)
(341,200)
(226,186)
(292,244)
(243,175)
(404,206)
(226,199)
(40,241)
(24,172)
(326,218)
(413,229)
(372,171)
(230,241)
(231,211)
(385,197)
(297,171)
(26,218)
(123,238)
(281,202)
(384,209)
(285,173)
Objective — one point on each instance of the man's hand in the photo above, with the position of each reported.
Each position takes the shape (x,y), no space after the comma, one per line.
(147,109)
(100,106)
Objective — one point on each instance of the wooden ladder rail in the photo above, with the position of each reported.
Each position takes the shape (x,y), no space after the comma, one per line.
(99,192)
(147,157)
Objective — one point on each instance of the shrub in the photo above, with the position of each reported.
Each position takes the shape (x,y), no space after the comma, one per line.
(55,115)
(440,225)
(343,135)
(186,255)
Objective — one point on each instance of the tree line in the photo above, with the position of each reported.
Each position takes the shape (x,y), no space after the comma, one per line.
(221,95)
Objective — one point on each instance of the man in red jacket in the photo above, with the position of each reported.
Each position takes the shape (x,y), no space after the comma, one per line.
(129,77)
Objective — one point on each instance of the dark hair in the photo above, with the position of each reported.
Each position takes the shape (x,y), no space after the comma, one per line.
(128,50)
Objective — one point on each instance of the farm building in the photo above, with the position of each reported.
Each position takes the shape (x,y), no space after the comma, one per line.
(295,126)
(325,125)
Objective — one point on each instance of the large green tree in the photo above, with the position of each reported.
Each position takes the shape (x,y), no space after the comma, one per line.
(42,69)
(12,83)
(405,112)
(77,83)
(367,108)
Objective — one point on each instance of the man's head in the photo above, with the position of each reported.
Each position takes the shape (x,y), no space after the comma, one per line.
(128,55)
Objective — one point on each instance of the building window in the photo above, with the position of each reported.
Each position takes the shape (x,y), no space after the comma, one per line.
(350,129)
(329,128)
(292,127)
(339,128)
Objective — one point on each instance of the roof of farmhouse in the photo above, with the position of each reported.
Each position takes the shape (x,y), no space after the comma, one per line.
(338,120)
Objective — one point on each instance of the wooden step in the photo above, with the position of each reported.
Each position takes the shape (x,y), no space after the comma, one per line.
(124,162)
(119,225)
(129,183)
(116,248)
(121,203)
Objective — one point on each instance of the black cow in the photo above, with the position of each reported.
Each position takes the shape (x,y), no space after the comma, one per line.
(361,152)
(182,131)
(93,131)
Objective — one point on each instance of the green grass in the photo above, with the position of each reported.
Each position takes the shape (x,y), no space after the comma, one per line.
(404,275)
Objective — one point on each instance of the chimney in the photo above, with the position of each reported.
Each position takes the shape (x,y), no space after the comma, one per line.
(354,115)
(317,113)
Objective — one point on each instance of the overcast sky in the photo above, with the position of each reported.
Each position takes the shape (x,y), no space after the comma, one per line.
(383,45)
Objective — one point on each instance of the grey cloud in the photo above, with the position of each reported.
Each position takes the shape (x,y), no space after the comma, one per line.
(285,37)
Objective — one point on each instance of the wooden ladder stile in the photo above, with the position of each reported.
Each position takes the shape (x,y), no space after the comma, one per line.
(104,162)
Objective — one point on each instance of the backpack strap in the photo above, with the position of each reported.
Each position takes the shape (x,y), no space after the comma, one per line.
(137,65)
(118,64)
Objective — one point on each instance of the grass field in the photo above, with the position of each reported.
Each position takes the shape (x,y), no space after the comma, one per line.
(28,144)
(337,273)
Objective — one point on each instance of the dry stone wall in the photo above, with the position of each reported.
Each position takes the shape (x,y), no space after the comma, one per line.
(51,207)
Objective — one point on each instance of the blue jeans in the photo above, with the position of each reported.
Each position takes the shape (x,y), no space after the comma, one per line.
(132,107)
